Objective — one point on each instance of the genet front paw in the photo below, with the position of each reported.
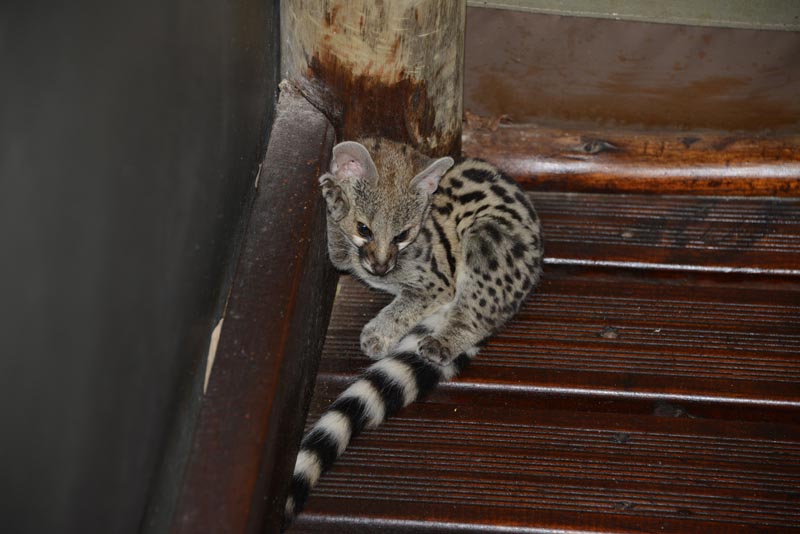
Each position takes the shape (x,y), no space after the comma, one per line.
(432,350)
(373,343)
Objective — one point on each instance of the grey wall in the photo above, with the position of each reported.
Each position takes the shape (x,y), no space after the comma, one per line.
(130,135)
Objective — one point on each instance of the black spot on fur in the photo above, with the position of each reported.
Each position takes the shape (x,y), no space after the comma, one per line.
(522,199)
(437,272)
(507,179)
(451,261)
(511,212)
(472,197)
(486,249)
(447,209)
(455,182)
(502,193)
(518,250)
(493,232)
(478,175)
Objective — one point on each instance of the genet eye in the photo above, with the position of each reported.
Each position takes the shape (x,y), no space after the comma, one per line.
(363,230)
(402,236)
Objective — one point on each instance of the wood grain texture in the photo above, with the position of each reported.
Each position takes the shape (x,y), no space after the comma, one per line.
(635,161)
(538,68)
(269,349)
(621,335)
(722,234)
(393,69)
(444,468)
(620,399)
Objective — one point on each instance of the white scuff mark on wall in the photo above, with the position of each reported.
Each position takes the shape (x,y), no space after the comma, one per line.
(212,352)
(258,175)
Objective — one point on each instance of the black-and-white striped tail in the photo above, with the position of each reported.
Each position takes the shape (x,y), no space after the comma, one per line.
(385,387)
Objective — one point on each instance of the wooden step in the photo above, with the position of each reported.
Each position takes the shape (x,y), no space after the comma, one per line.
(586,159)
(650,384)
(617,334)
(440,467)
(722,234)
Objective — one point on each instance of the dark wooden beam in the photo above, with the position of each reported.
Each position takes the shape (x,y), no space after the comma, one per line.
(639,161)
(253,411)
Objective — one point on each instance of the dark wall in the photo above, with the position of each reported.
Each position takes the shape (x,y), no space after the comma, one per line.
(130,137)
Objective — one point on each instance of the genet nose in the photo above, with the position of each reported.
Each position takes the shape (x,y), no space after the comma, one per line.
(380,268)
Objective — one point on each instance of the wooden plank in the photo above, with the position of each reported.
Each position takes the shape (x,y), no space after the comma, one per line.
(278,308)
(532,468)
(722,234)
(622,335)
(617,401)
(631,161)
(393,69)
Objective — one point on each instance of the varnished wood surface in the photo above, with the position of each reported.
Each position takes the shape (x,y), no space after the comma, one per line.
(537,68)
(639,161)
(246,438)
(720,234)
(622,334)
(438,467)
(625,397)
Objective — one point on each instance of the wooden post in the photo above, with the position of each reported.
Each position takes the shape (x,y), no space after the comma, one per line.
(390,68)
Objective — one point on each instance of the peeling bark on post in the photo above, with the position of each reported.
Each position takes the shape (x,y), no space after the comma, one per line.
(391,68)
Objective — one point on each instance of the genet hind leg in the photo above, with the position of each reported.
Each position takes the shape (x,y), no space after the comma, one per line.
(498,271)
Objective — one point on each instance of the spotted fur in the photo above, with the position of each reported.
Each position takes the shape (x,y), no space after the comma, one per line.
(459,246)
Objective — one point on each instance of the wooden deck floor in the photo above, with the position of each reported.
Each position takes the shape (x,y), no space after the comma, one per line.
(651,384)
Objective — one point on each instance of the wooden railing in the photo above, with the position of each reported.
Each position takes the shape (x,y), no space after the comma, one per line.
(253,411)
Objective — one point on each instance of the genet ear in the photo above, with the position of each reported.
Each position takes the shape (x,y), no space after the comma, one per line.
(428,180)
(351,161)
